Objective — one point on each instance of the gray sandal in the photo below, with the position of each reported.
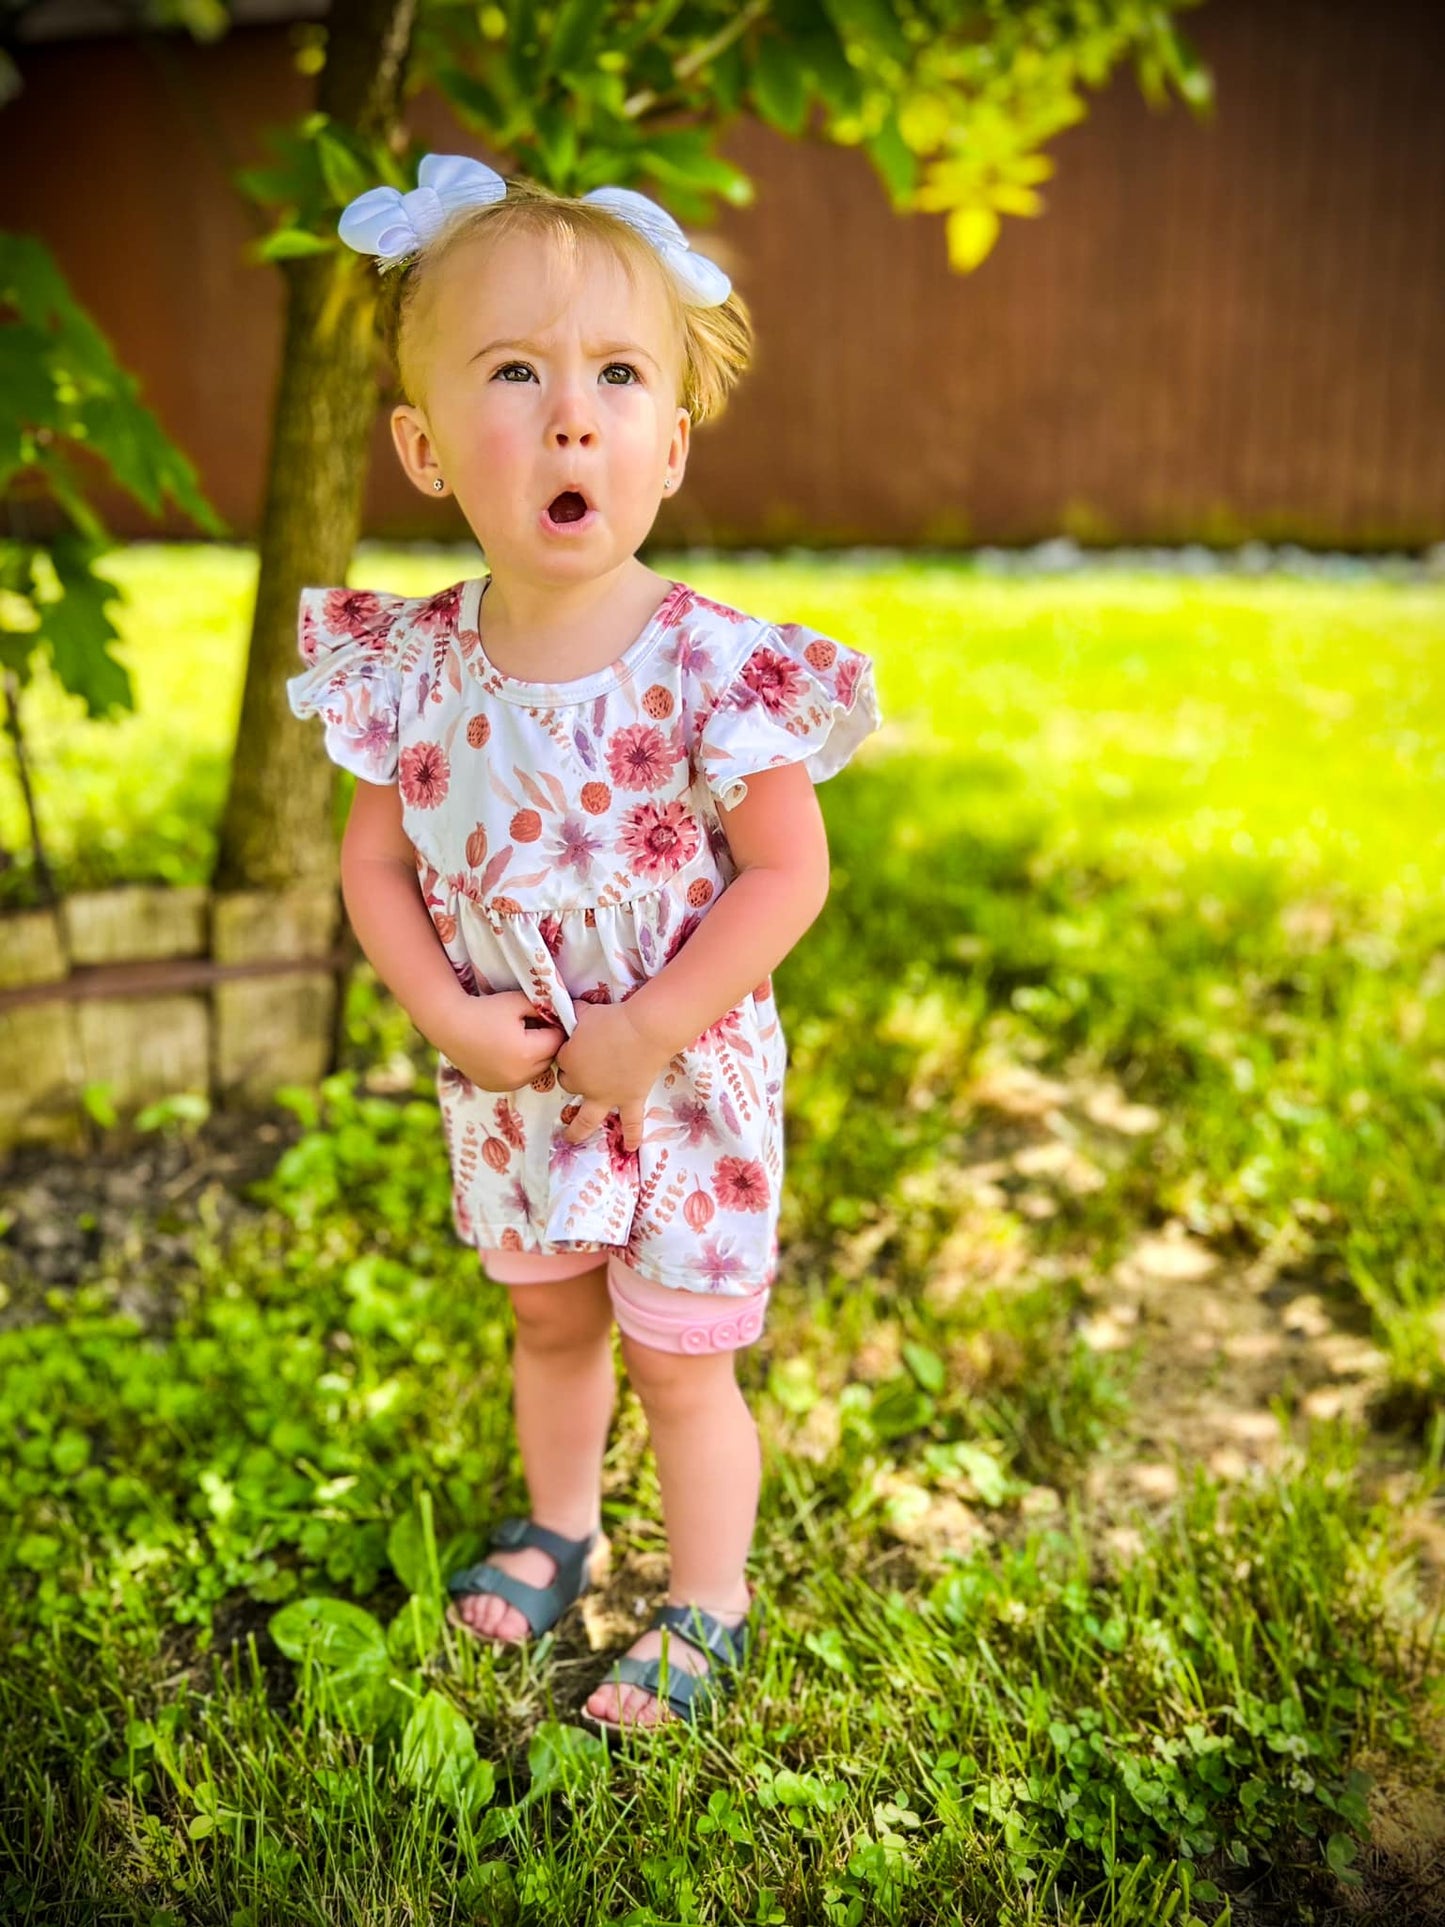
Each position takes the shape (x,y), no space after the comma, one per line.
(727,1647)
(540,1606)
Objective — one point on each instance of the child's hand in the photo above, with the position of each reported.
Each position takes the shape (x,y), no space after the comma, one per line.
(611,1064)
(502,1041)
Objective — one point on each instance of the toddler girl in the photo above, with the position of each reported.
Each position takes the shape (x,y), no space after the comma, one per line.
(584,836)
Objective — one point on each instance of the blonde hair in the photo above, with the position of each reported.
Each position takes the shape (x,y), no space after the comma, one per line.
(716,342)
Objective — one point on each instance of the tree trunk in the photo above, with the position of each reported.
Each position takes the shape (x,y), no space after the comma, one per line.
(277,821)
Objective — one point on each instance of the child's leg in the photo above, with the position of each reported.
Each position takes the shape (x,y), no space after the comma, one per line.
(563,1391)
(709,1468)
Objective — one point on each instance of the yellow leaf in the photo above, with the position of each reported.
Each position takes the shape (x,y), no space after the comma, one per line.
(946,184)
(925,121)
(972,231)
(1028,167)
(1009,198)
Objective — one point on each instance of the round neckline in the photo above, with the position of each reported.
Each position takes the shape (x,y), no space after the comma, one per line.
(522,689)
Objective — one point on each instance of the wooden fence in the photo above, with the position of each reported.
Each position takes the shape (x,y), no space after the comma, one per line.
(1215,330)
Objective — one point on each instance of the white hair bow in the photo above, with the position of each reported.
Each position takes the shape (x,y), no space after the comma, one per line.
(703,279)
(392,225)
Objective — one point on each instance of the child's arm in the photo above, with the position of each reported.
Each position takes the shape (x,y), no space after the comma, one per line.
(780,844)
(383,899)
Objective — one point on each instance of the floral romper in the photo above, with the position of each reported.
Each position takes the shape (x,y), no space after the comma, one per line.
(568,843)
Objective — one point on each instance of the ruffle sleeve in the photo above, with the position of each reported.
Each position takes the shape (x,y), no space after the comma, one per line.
(799,697)
(349,640)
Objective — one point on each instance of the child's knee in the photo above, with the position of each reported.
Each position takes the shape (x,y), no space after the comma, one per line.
(668,1381)
(563,1315)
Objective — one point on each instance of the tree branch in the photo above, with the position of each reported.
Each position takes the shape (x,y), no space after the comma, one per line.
(685,68)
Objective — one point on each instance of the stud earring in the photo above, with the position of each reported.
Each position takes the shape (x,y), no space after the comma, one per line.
(667,481)
(438,483)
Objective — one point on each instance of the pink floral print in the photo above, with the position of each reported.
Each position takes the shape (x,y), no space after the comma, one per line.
(658,839)
(568,843)
(640,757)
(423,776)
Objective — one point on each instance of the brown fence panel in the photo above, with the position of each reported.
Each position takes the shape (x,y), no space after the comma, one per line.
(1215,331)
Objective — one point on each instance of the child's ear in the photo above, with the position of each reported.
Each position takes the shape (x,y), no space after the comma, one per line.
(410,433)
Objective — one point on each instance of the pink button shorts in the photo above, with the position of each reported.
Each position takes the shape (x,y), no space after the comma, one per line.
(664,1317)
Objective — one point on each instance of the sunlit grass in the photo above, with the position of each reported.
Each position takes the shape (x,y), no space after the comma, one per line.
(1175,839)
(1164,720)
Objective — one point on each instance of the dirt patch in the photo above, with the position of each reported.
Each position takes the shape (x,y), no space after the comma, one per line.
(130,1205)
(1227,1363)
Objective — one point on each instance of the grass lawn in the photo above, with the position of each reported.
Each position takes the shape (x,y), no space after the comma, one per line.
(1103,1395)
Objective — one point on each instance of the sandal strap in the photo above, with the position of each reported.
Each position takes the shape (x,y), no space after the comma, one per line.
(540,1606)
(726,1645)
(512,1533)
(687,1693)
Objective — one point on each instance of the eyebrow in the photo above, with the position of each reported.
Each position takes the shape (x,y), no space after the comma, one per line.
(613,348)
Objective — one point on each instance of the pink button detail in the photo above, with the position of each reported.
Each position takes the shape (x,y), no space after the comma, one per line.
(695,1339)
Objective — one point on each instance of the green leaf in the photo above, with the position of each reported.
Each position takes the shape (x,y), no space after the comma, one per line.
(97,1102)
(564,1759)
(1340,1850)
(572,37)
(77,632)
(556,134)
(727,76)
(830,1647)
(792,1384)
(523,48)
(332,1631)
(414,1635)
(410,1547)
(648,25)
(779,85)
(57,369)
(131,442)
(267,186)
(286,243)
(836,79)
(27,379)
(898,1408)
(682,155)
(439,1756)
(293,179)
(990,1481)
(38,1550)
(894,159)
(475,102)
(873,23)
(353,1679)
(66,490)
(345,168)
(926,1366)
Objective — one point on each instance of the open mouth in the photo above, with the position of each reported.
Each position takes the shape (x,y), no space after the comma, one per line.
(569,506)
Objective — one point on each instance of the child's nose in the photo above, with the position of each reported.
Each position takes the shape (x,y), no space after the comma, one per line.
(573,417)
